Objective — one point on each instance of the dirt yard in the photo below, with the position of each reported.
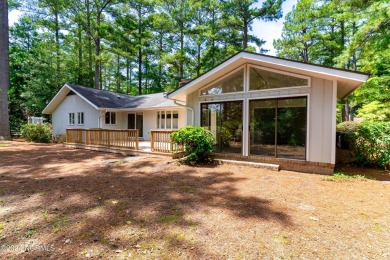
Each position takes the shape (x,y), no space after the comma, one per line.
(62,203)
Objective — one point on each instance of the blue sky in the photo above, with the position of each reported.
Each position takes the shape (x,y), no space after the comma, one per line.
(267,31)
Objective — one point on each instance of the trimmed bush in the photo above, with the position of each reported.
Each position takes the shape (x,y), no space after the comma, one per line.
(197,142)
(348,127)
(37,133)
(372,145)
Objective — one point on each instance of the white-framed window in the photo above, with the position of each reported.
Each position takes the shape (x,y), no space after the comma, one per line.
(80,118)
(232,82)
(167,119)
(110,118)
(71,119)
(261,78)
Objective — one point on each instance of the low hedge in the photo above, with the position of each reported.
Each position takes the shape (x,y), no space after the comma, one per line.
(197,142)
(372,144)
(37,133)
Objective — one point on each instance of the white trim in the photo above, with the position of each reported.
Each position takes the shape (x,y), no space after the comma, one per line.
(223,77)
(287,64)
(158,123)
(116,118)
(86,100)
(334,108)
(78,119)
(245,128)
(307,95)
(141,109)
(74,118)
(331,72)
(224,101)
(277,72)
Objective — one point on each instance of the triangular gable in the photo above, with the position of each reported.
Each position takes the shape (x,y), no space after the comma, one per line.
(60,96)
(347,80)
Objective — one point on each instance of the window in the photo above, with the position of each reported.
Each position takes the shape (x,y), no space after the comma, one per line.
(71,118)
(224,120)
(80,118)
(278,127)
(110,118)
(260,79)
(167,119)
(231,83)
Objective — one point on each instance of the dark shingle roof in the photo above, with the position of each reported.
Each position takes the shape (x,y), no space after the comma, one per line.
(108,99)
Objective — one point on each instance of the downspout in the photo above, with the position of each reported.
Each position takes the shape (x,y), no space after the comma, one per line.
(185,106)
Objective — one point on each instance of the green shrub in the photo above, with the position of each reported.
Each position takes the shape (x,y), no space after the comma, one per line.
(348,126)
(197,143)
(372,144)
(38,133)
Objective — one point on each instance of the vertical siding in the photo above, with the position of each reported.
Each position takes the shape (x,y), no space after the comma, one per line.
(320,121)
(73,104)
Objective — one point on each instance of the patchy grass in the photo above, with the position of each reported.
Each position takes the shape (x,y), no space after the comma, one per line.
(340,176)
(30,232)
(59,223)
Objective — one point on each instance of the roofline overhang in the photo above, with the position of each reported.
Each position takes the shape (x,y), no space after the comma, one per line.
(47,109)
(138,109)
(328,72)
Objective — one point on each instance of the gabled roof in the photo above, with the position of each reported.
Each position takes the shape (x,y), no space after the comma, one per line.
(103,99)
(347,80)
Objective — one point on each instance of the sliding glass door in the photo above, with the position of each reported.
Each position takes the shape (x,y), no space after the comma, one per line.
(224,120)
(278,127)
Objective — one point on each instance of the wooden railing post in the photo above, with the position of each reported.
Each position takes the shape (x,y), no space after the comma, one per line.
(136,140)
(152,141)
(108,138)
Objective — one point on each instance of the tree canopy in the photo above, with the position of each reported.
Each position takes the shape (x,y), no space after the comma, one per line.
(352,35)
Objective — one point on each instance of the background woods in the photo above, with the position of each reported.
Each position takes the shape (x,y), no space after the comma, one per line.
(145,46)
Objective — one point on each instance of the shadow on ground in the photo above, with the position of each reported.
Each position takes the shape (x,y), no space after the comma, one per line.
(82,205)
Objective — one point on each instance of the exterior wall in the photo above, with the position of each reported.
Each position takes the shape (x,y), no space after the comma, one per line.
(149,120)
(73,104)
(320,147)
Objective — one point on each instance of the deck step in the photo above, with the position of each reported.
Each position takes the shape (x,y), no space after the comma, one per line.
(268,166)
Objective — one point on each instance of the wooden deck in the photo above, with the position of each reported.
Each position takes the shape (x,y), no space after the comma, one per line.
(122,138)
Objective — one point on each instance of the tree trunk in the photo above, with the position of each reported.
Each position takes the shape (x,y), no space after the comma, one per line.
(80,56)
(245,36)
(198,60)
(57,29)
(118,71)
(127,75)
(181,69)
(5,132)
(345,112)
(159,83)
(97,52)
(90,71)
(139,51)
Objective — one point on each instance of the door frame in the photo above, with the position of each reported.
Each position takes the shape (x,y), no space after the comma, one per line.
(140,134)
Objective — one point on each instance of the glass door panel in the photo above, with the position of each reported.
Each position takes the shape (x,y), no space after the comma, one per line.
(140,124)
(262,127)
(291,125)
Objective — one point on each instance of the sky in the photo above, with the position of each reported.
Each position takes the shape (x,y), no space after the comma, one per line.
(267,31)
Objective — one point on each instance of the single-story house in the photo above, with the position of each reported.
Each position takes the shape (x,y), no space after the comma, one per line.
(258,107)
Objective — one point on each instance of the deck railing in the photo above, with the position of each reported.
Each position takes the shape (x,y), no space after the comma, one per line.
(160,141)
(107,137)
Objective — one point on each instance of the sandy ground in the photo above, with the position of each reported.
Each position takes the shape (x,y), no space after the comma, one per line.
(59,203)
